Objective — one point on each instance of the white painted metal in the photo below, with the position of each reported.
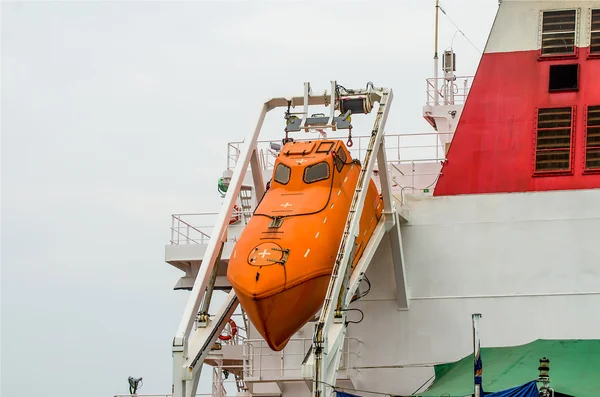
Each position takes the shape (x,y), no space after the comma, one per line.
(191,346)
(185,376)
(329,334)
(502,255)
(517,24)
(363,263)
(395,239)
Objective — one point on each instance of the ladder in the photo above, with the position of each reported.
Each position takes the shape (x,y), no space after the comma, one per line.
(246,200)
(330,329)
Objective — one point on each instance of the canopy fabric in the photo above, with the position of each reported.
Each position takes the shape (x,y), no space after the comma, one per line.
(527,390)
(573,369)
(344,394)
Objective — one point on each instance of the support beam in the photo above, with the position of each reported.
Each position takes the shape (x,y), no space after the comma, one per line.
(395,236)
(221,224)
(183,385)
(329,331)
(337,333)
(259,184)
(201,342)
(386,186)
(365,260)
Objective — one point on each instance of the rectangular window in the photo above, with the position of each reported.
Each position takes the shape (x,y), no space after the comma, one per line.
(563,78)
(558,32)
(554,140)
(592,139)
(595,32)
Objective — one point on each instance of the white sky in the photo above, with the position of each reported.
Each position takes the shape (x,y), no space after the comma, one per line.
(116,115)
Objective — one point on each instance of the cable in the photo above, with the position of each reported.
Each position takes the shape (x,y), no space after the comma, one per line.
(355,322)
(355,298)
(456,26)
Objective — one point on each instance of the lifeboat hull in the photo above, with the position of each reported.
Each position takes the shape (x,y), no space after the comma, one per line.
(282,263)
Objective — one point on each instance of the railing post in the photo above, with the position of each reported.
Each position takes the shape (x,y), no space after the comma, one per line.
(172,229)
(413,176)
(260,360)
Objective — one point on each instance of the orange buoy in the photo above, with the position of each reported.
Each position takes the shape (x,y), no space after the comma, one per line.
(282,262)
(235,217)
(233,331)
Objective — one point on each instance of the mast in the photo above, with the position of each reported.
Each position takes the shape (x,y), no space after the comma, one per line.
(435,55)
(476,356)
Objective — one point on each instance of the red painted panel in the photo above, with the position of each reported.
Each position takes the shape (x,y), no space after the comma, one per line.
(493,148)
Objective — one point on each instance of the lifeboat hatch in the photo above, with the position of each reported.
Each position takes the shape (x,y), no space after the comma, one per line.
(300,148)
(266,254)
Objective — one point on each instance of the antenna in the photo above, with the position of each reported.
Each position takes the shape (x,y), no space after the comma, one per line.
(134,384)
(435,55)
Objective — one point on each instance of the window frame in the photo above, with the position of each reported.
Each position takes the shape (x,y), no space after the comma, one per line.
(329,149)
(289,173)
(338,160)
(575,53)
(592,55)
(562,172)
(588,171)
(314,165)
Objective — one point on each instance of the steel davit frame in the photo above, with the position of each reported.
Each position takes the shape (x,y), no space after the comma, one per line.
(197,333)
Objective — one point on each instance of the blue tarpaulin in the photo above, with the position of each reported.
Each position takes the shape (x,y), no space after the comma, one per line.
(342,394)
(527,390)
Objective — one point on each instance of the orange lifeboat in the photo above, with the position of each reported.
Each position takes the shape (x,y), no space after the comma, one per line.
(282,262)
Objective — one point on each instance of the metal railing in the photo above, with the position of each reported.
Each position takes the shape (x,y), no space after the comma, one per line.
(449,92)
(184,230)
(399,147)
(260,362)
(195,228)
(413,160)
(171,395)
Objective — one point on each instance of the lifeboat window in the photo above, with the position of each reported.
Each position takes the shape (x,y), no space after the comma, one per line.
(595,32)
(558,32)
(592,139)
(282,174)
(325,147)
(316,172)
(554,139)
(340,159)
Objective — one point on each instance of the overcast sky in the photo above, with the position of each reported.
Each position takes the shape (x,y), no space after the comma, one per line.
(117,115)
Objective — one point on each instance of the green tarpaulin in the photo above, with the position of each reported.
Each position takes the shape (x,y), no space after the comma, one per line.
(574,369)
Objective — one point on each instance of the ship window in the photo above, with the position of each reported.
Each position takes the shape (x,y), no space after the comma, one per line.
(316,172)
(558,32)
(564,78)
(282,174)
(592,139)
(595,32)
(340,159)
(553,140)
